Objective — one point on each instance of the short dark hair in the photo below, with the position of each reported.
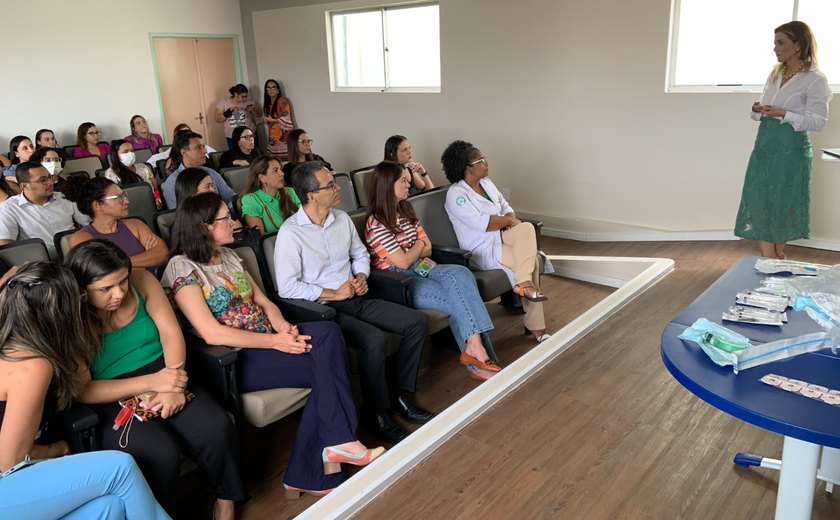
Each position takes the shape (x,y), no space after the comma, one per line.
(22,171)
(239,88)
(182,142)
(455,160)
(190,236)
(42,152)
(187,182)
(391,146)
(304,179)
(85,191)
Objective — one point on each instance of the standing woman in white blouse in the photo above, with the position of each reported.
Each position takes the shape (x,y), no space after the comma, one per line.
(776,199)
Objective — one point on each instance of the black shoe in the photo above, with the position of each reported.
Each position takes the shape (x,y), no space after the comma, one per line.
(384,428)
(404,407)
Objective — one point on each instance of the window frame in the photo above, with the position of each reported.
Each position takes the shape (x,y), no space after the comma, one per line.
(334,87)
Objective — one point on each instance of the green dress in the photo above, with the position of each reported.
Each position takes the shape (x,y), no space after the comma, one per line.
(776,199)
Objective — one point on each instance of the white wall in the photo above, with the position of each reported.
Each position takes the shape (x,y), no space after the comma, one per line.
(69,62)
(566,99)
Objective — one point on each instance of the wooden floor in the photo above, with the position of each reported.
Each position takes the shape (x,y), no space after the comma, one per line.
(602,432)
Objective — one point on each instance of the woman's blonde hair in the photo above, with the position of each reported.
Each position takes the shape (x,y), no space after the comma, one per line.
(800,33)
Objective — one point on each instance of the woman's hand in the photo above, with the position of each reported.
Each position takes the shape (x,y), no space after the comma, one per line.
(757,107)
(240,162)
(771,111)
(416,167)
(289,340)
(169,379)
(168,403)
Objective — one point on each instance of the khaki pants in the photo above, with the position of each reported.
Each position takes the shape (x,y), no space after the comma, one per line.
(519,253)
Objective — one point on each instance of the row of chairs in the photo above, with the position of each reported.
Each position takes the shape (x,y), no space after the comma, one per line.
(93,163)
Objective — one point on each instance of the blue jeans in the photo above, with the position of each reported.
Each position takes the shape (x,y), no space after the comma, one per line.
(451,289)
(100,484)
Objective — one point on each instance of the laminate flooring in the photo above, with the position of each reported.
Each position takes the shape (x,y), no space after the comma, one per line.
(603,431)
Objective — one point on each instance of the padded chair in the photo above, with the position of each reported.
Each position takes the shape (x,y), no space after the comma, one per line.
(100,172)
(160,169)
(262,138)
(349,202)
(236,177)
(87,164)
(142,155)
(68,150)
(215,160)
(141,201)
(215,367)
(162,148)
(361,182)
(429,208)
(163,223)
(61,240)
(21,251)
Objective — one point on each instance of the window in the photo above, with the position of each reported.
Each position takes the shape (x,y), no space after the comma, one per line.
(386,49)
(726,45)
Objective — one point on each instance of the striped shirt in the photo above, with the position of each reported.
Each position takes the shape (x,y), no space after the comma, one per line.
(382,242)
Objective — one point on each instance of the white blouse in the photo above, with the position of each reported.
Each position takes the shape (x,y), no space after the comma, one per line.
(805,97)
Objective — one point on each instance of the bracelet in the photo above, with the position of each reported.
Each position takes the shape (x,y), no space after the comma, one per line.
(424,174)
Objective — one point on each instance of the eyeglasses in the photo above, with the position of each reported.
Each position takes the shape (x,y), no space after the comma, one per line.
(51,159)
(332,185)
(482,160)
(306,141)
(249,137)
(226,218)
(43,180)
(121,196)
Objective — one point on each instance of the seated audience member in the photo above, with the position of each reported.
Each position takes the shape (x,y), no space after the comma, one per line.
(191,181)
(4,161)
(87,142)
(277,112)
(50,158)
(398,149)
(20,151)
(45,138)
(188,151)
(141,350)
(320,257)
(37,212)
(125,170)
(237,110)
(486,225)
(107,206)
(300,151)
(221,301)
(267,202)
(141,136)
(5,191)
(43,343)
(398,242)
(165,154)
(243,151)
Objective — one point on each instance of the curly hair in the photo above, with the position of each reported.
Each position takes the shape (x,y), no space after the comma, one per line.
(455,160)
(85,191)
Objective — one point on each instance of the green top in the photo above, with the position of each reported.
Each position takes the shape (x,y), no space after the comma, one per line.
(130,347)
(261,204)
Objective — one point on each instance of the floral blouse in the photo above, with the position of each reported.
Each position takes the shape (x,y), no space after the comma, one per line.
(226,290)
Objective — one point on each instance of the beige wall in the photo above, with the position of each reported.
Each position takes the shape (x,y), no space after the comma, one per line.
(69,62)
(567,101)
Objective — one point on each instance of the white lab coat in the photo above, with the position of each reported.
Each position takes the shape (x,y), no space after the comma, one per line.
(470,213)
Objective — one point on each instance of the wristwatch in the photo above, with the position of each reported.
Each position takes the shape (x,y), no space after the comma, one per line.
(424,174)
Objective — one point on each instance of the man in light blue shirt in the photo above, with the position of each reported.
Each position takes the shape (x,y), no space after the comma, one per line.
(319,257)
(192,153)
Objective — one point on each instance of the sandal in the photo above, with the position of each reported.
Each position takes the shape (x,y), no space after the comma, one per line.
(534,295)
(539,339)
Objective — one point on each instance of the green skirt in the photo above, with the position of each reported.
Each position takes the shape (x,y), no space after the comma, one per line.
(776,199)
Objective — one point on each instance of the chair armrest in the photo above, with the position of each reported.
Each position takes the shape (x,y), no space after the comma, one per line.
(538,225)
(77,425)
(389,285)
(301,311)
(451,255)
(214,368)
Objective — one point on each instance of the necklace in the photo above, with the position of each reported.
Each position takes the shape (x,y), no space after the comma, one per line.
(804,66)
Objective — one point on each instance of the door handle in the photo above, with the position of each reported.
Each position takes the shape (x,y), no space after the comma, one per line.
(200,118)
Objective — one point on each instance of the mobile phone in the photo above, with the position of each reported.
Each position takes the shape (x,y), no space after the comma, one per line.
(424,266)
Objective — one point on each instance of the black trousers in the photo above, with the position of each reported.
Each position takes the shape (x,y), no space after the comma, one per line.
(362,321)
(201,428)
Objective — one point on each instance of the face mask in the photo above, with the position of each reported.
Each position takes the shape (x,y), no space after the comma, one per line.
(127,158)
(53,167)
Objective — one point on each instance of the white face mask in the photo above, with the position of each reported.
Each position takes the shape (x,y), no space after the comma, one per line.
(127,158)
(53,167)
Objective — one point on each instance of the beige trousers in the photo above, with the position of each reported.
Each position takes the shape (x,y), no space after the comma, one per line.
(519,253)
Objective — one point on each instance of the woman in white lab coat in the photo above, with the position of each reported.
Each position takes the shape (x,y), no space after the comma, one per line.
(486,225)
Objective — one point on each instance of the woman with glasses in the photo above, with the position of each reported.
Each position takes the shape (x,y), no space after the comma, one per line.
(105,203)
(486,225)
(267,202)
(243,150)
(217,295)
(278,117)
(237,110)
(398,149)
(397,242)
(87,142)
(300,151)
(140,357)
(125,170)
